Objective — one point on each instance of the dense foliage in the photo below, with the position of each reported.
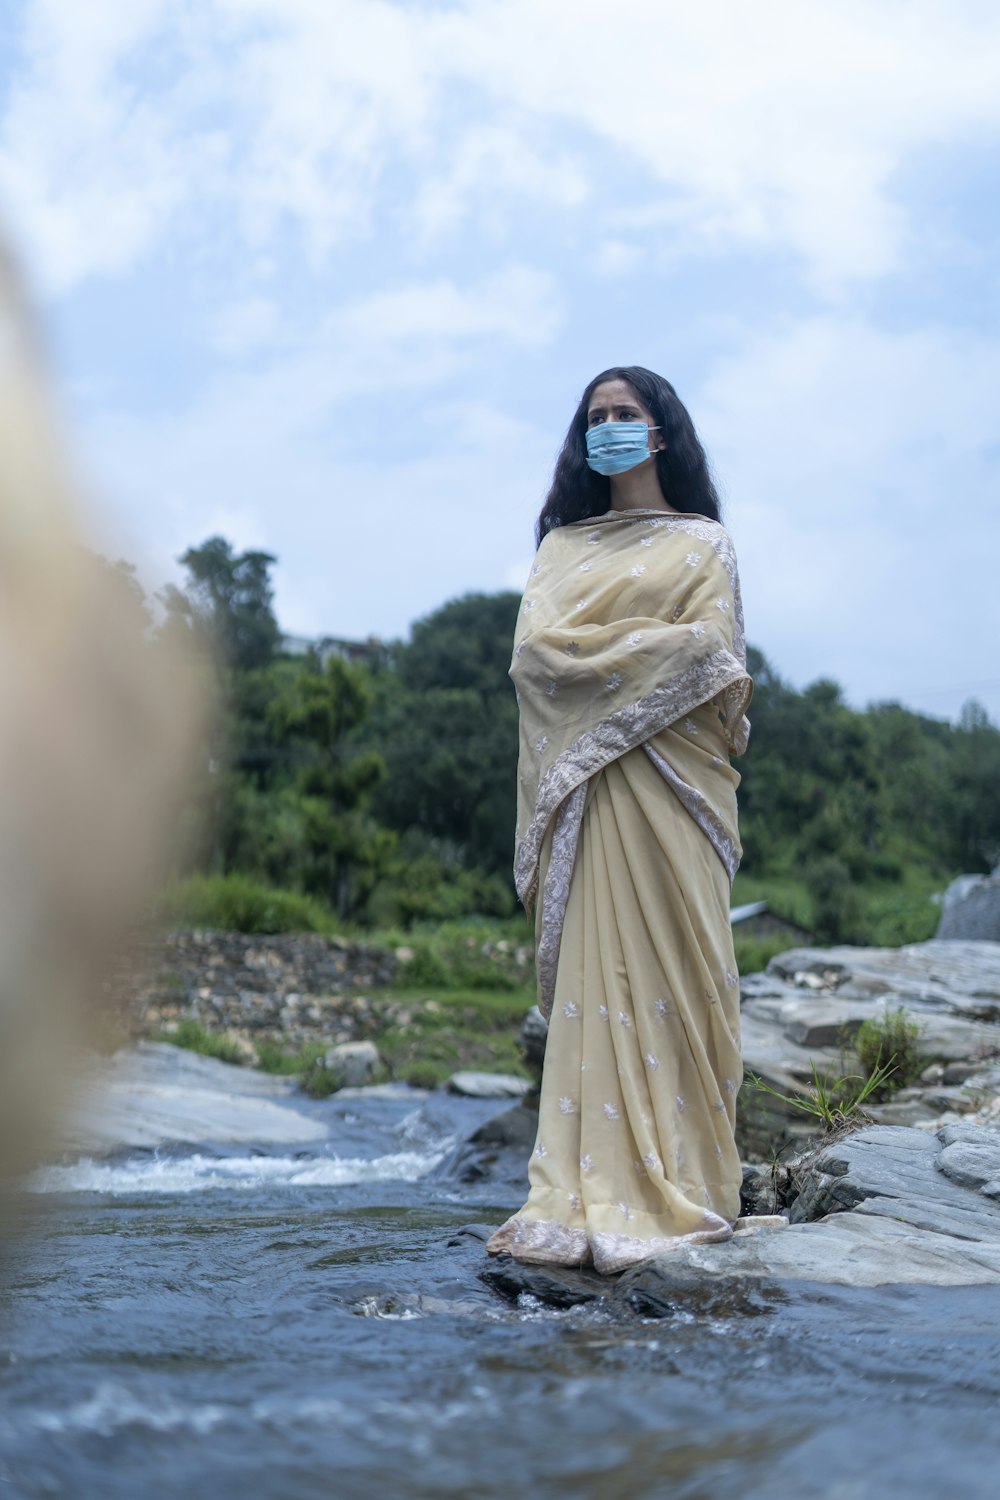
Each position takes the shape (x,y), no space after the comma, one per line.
(382,787)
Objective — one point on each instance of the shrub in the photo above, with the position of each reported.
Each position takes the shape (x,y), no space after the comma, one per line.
(236,903)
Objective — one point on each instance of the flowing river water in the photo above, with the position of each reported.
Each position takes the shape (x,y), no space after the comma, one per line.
(299,1324)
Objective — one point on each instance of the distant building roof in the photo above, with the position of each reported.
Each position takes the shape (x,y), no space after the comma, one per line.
(326,646)
(742,913)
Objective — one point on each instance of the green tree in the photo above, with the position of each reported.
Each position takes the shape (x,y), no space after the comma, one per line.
(227,602)
(317,715)
(446,721)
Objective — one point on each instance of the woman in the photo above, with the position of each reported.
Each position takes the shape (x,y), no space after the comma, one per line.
(630,670)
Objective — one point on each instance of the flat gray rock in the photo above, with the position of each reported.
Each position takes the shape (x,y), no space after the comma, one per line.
(155,1094)
(488,1085)
(810,1003)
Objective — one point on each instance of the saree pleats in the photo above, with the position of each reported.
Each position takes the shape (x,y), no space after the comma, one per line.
(635,1148)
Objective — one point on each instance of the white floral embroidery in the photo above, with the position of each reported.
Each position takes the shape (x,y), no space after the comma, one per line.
(693,559)
(647,541)
(611,1112)
(585,567)
(541,742)
(582,603)
(730,1085)
(652,1061)
(595,536)
(535,571)
(586,1164)
(571,1010)
(572,649)
(602,1011)
(719,1107)
(541,1149)
(651,1161)
(634,639)
(567,1105)
(662,1008)
(640,1170)
(690,725)
(624,1019)
(722,605)
(614,682)
(676,613)
(626,1211)
(574,1200)
(681,1103)
(638,570)
(732,980)
(697,630)
(529,605)
(552,688)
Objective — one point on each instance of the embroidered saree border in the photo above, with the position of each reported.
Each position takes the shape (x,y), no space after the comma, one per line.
(721,675)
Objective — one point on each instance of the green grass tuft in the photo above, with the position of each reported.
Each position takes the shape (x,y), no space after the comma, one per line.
(195,1038)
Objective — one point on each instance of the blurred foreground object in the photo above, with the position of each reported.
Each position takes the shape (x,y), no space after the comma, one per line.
(97,724)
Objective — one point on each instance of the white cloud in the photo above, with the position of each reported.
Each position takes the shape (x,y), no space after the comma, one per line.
(861,470)
(246,325)
(777,126)
(773,125)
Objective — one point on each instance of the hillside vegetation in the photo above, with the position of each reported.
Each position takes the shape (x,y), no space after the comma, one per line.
(378,793)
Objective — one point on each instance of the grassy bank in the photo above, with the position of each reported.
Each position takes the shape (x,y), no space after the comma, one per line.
(462,988)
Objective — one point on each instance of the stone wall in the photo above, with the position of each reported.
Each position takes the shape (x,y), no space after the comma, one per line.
(297,986)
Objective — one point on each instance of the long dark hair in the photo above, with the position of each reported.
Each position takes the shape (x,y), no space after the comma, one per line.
(682,468)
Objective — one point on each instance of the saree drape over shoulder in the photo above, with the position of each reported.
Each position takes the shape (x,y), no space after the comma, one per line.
(630,669)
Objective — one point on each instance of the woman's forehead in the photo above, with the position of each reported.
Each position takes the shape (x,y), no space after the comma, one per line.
(613,393)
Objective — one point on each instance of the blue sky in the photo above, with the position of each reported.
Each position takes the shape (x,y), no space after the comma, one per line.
(328,277)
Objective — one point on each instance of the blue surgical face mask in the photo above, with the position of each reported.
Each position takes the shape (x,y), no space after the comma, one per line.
(615,447)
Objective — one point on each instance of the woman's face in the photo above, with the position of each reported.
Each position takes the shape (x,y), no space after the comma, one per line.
(616,401)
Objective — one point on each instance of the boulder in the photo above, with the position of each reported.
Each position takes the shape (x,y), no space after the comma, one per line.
(498,1150)
(354,1064)
(531,1042)
(971,908)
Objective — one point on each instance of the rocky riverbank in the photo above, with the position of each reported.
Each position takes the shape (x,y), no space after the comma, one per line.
(810,1003)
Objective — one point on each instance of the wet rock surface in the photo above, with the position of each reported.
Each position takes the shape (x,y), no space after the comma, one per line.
(888,1205)
(155,1094)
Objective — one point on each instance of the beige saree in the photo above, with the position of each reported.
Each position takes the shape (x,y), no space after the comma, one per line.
(630,669)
